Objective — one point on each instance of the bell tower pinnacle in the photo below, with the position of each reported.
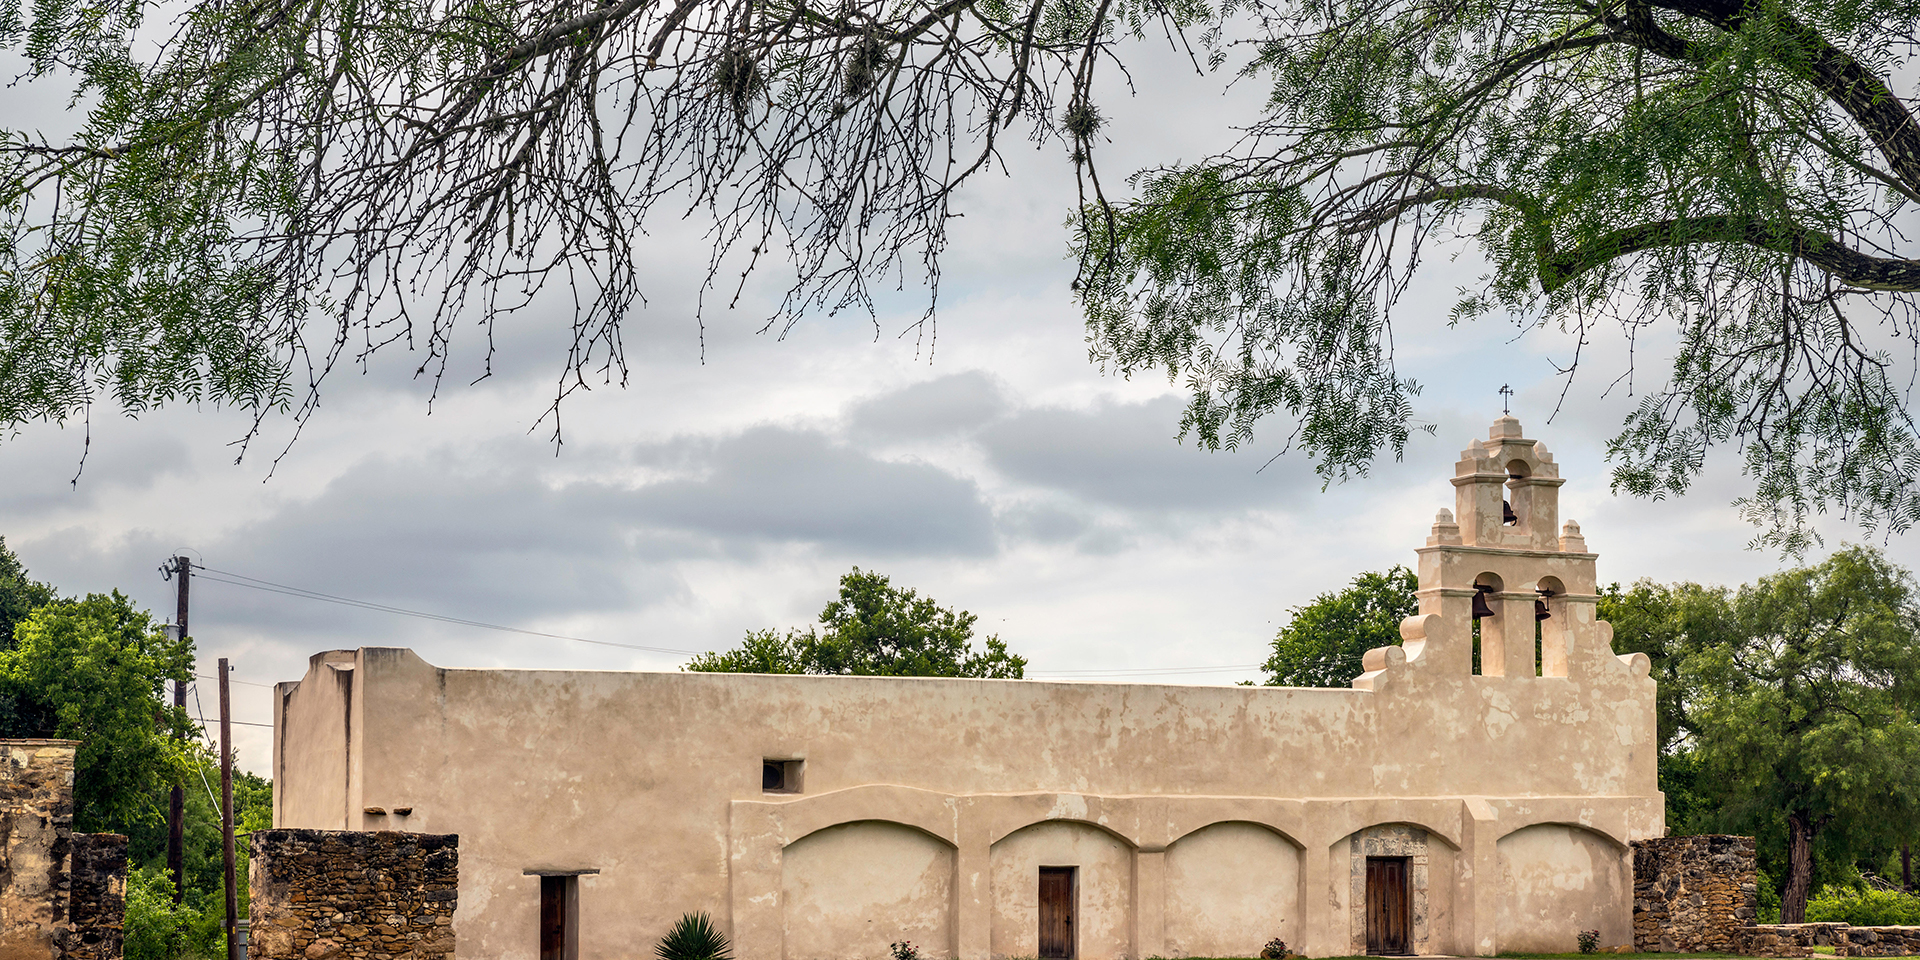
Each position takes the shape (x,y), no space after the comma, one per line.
(1503,559)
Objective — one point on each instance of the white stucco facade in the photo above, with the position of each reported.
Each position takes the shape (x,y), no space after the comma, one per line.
(1200,821)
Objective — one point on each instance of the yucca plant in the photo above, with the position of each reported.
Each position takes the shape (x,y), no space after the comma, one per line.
(694,937)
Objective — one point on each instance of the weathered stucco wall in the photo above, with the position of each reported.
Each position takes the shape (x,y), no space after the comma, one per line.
(837,881)
(653,779)
(1231,887)
(351,895)
(1560,879)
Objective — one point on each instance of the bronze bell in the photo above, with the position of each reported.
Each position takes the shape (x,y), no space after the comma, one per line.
(1540,606)
(1480,608)
(1506,514)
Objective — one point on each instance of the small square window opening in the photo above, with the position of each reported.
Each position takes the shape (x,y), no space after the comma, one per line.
(780,776)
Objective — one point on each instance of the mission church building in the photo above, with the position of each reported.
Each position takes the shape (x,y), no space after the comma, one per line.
(1431,809)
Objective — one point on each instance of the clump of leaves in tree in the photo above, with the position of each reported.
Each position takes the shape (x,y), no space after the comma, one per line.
(283,188)
(873,629)
(1324,641)
(92,670)
(694,937)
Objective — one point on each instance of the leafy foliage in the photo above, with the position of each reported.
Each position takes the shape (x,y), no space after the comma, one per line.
(287,187)
(158,929)
(873,629)
(1728,173)
(1324,641)
(284,188)
(693,937)
(1864,907)
(92,670)
(18,595)
(1795,710)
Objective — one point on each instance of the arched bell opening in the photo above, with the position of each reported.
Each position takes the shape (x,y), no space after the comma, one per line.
(1518,506)
(1550,628)
(1487,607)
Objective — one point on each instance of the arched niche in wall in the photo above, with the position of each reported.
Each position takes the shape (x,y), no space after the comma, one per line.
(1558,879)
(1103,888)
(847,891)
(1430,861)
(1231,887)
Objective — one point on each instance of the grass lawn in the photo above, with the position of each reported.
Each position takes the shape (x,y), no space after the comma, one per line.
(1629,956)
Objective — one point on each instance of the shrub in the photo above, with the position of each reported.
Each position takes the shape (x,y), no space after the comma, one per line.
(694,937)
(905,950)
(158,929)
(1864,907)
(1589,941)
(1276,949)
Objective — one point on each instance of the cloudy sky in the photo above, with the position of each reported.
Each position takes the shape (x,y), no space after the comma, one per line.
(997,471)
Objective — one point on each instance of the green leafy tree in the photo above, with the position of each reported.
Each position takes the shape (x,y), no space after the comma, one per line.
(18,594)
(241,204)
(1324,641)
(92,670)
(873,629)
(1801,704)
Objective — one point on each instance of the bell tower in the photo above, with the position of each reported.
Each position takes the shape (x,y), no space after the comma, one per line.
(1503,558)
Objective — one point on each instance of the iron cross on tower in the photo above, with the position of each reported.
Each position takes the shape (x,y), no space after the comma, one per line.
(1505,392)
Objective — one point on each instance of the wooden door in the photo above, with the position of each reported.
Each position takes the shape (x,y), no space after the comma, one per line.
(1056,913)
(553,918)
(1389,910)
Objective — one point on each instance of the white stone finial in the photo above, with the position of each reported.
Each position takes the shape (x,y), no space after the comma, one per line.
(1503,428)
(1569,529)
(1540,451)
(1444,529)
(1444,516)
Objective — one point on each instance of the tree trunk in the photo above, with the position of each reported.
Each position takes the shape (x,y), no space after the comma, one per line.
(1906,868)
(1793,900)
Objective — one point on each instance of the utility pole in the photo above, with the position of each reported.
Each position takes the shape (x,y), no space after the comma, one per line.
(180,573)
(226,814)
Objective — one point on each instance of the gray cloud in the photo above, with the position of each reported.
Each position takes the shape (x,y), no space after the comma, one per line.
(936,408)
(1124,455)
(779,484)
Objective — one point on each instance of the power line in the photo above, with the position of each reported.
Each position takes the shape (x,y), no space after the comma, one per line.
(255,583)
(1144,671)
(244,723)
(249,683)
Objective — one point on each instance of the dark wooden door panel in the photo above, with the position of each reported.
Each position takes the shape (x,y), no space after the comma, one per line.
(1057,902)
(553,918)
(1389,907)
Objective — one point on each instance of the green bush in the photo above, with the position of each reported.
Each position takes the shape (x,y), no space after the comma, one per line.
(159,929)
(694,937)
(1864,907)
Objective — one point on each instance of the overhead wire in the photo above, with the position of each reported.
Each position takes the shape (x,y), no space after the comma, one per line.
(255,583)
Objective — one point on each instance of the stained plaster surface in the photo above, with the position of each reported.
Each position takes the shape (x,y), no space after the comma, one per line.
(962,789)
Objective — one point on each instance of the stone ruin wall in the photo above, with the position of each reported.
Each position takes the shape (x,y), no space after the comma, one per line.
(352,895)
(62,894)
(1692,893)
(1698,894)
(98,892)
(1799,939)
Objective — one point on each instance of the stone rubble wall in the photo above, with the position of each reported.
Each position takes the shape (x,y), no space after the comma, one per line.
(1799,939)
(62,894)
(98,884)
(36,834)
(353,895)
(1693,893)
